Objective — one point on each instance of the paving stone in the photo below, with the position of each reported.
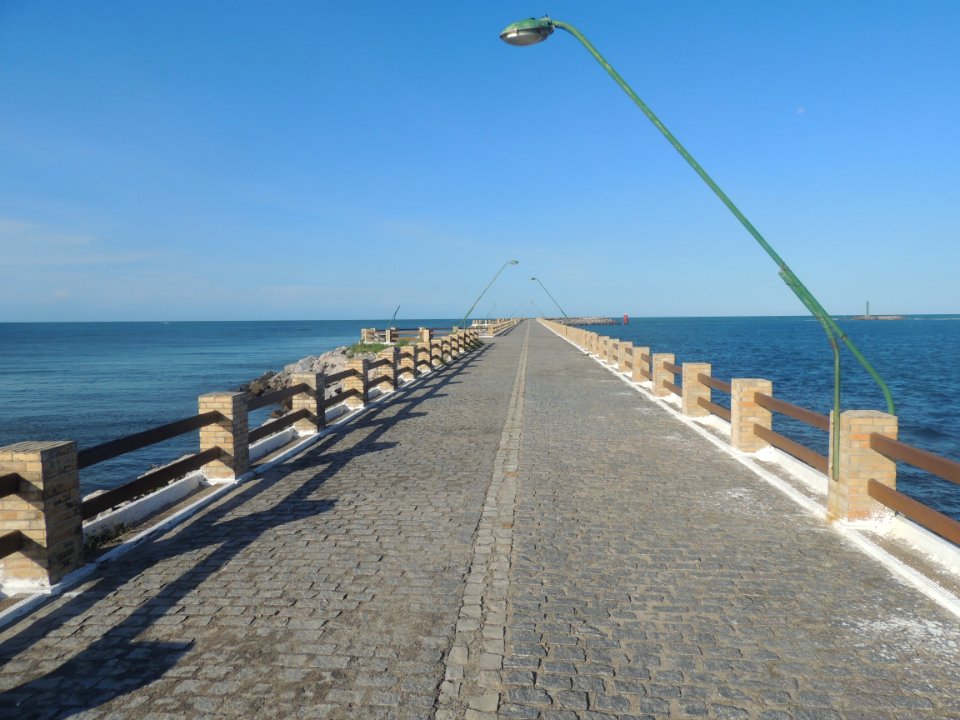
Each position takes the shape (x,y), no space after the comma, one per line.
(358,550)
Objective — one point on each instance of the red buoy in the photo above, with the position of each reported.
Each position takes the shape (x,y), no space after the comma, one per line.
(626,320)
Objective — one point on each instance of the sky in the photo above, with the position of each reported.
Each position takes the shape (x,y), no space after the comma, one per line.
(210,160)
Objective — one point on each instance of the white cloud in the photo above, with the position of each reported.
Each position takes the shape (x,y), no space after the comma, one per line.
(29,244)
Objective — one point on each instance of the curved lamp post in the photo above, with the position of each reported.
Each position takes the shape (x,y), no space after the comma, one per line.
(551,296)
(463,323)
(533,30)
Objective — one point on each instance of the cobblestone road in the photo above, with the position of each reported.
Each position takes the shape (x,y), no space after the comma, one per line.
(521,535)
(328,588)
(653,576)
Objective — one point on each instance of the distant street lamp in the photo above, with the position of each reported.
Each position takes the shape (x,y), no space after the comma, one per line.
(551,296)
(533,30)
(463,323)
(542,313)
(490,311)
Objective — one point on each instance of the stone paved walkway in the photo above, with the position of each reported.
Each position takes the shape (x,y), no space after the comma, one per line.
(520,535)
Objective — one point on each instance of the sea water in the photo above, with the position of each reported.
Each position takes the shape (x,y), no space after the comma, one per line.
(93,382)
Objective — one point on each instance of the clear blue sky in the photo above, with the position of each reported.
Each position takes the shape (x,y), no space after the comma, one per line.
(184,160)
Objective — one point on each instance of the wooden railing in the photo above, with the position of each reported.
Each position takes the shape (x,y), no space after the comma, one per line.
(712,407)
(934,464)
(894,450)
(782,442)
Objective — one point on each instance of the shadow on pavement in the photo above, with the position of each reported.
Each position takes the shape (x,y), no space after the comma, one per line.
(116,663)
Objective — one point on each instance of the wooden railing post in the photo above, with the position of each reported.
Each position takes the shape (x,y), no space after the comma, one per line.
(45,511)
(426,335)
(694,389)
(311,401)
(436,353)
(661,375)
(390,335)
(625,361)
(229,434)
(357,381)
(445,348)
(746,413)
(847,497)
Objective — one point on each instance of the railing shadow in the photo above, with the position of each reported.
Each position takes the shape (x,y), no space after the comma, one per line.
(116,663)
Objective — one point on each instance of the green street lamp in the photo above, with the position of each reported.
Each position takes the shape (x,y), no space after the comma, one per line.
(533,30)
(551,296)
(463,323)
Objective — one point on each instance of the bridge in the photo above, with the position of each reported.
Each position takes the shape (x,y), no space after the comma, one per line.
(519,535)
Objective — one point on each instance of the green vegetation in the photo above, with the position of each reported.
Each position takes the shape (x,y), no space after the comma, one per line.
(361,348)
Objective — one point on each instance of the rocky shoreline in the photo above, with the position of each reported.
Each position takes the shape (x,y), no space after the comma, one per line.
(329,363)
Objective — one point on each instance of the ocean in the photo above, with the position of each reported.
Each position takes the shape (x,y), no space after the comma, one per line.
(93,382)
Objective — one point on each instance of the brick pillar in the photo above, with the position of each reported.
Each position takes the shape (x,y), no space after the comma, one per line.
(229,434)
(357,381)
(745,413)
(311,401)
(641,366)
(661,375)
(626,357)
(693,389)
(388,371)
(46,511)
(847,497)
(407,367)
(426,335)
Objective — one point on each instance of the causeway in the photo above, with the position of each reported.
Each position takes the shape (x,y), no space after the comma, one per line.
(518,535)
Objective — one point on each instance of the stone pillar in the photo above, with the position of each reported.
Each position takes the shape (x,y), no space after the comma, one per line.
(847,497)
(641,367)
(229,434)
(603,343)
(421,358)
(436,353)
(388,371)
(625,361)
(311,401)
(745,413)
(357,381)
(45,510)
(426,335)
(455,343)
(445,348)
(693,389)
(407,369)
(661,375)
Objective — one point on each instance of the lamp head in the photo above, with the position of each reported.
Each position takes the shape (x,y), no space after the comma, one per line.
(533,278)
(527,32)
(514,262)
